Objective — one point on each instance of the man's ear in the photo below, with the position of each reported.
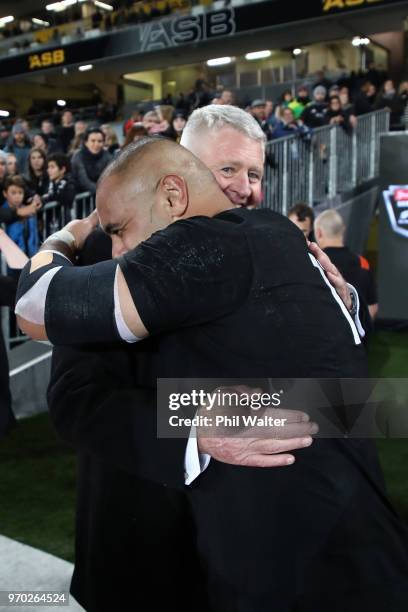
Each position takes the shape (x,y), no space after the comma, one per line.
(174,194)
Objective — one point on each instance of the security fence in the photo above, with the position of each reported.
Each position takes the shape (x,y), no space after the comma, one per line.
(323,163)
(53,217)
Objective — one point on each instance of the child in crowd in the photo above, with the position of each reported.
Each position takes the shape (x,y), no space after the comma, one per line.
(25,232)
(61,187)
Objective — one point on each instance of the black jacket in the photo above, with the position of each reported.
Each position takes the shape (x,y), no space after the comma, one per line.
(8,287)
(62,191)
(134,538)
(87,168)
(314,115)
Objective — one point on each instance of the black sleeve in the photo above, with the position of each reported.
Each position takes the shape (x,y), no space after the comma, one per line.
(305,115)
(8,215)
(192,272)
(66,196)
(371,289)
(96,406)
(79,306)
(8,288)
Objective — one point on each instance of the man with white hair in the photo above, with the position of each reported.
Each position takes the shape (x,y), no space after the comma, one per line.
(232,146)
(329,229)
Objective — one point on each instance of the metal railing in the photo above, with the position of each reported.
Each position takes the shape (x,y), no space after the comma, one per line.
(328,162)
(51,218)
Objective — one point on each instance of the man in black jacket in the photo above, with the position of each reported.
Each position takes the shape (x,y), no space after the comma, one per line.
(330,230)
(134,538)
(314,115)
(222,310)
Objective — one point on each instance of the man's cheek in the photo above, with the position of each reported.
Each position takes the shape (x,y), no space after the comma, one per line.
(223,183)
(256,196)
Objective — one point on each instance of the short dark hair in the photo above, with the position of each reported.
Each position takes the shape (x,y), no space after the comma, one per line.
(61,160)
(43,136)
(93,130)
(302,212)
(15,180)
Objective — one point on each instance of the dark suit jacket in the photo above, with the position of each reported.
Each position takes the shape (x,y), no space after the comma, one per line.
(8,286)
(135,538)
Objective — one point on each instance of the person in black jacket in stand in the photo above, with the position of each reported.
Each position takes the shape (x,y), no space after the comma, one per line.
(314,115)
(90,161)
(61,187)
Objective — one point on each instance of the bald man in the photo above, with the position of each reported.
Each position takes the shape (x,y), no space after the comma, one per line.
(199,280)
(330,231)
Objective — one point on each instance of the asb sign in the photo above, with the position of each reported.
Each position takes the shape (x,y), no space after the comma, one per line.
(46,59)
(184,30)
(329,5)
(396,203)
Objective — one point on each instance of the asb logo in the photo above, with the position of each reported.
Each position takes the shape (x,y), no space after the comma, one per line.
(396,203)
(46,59)
(329,5)
(190,29)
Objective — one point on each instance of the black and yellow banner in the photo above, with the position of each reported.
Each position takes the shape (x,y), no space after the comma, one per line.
(172,32)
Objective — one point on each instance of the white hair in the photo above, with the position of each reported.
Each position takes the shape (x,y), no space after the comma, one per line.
(331,223)
(216,116)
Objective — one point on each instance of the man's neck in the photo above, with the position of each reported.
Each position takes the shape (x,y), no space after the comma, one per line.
(335,243)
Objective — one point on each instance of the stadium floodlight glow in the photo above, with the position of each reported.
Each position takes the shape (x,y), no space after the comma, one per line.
(358,41)
(4,113)
(254,55)
(60,6)
(297,51)
(103,5)
(219,61)
(40,22)
(85,67)
(61,103)
(4,20)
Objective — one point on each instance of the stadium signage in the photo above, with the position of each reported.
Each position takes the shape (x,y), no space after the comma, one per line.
(46,59)
(329,5)
(184,30)
(396,203)
(174,32)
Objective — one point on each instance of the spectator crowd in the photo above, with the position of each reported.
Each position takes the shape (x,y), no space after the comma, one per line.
(64,155)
